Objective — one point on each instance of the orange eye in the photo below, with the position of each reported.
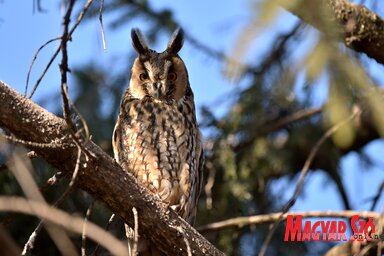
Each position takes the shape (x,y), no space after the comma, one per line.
(172,76)
(143,76)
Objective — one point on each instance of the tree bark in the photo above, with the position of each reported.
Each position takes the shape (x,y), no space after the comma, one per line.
(359,28)
(99,175)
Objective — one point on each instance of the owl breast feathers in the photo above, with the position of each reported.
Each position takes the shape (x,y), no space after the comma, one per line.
(156,137)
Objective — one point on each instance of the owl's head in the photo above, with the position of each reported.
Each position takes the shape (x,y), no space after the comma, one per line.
(162,76)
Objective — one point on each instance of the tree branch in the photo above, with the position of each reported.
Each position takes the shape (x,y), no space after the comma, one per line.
(100,175)
(303,174)
(359,28)
(273,217)
(63,219)
(270,127)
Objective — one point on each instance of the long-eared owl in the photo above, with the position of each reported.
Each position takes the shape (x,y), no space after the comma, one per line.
(156,137)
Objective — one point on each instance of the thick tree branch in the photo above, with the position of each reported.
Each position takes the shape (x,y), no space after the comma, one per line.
(359,28)
(99,175)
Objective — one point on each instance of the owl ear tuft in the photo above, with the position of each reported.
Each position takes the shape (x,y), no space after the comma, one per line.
(138,41)
(176,41)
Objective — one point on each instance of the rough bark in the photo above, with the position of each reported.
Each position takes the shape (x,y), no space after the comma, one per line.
(99,175)
(359,28)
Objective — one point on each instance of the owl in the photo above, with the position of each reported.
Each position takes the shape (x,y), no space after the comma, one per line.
(156,137)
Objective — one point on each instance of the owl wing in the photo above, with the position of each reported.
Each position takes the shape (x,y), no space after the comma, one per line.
(200,174)
(197,184)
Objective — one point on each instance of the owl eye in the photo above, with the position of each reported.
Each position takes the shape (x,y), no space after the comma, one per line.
(172,76)
(143,76)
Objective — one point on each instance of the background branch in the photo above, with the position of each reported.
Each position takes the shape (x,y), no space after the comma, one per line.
(359,28)
(63,219)
(303,174)
(241,222)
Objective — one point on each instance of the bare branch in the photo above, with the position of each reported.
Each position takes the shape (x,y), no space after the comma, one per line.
(101,176)
(79,19)
(136,231)
(377,196)
(241,222)
(84,232)
(22,169)
(359,28)
(53,144)
(180,229)
(278,124)
(304,171)
(44,72)
(31,240)
(102,25)
(33,61)
(64,67)
(62,219)
(64,91)
(106,229)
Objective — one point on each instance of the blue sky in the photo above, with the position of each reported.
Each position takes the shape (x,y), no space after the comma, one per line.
(23,32)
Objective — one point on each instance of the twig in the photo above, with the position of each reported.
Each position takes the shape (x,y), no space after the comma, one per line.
(278,50)
(82,120)
(64,220)
(136,231)
(64,89)
(52,181)
(31,65)
(37,230)
(44,72)
(53,144)
(37,4)
(22,169)
(106,229)
(30,243)
(84,233)
(377,196)
(9,218)
(241,222)
(303,174)
(278,124)
(129,233)
(189,251)
(79,19)
(77,166)
(31,240)
(64,66)
(102,25)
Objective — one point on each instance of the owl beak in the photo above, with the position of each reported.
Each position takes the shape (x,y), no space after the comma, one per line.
(159,89)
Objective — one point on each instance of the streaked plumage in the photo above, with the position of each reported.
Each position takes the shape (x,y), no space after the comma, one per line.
(156,137)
